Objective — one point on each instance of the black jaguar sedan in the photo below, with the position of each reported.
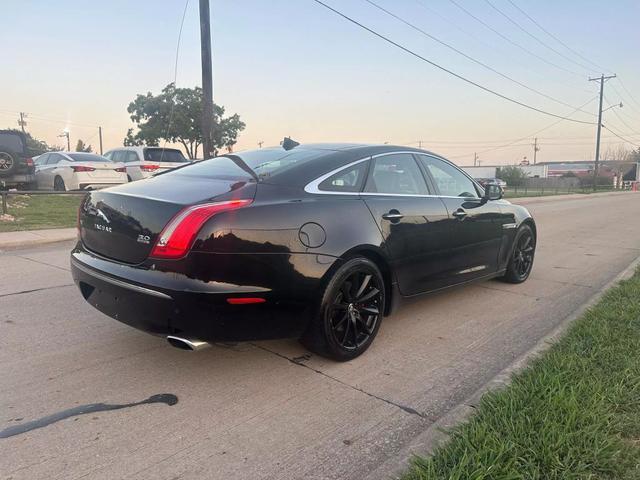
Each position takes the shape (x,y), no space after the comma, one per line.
(316,242)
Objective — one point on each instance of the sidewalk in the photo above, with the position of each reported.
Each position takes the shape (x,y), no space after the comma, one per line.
(29,238)
(571,196)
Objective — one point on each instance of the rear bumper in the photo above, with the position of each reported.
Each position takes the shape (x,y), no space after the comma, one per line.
(163,303)
(18,179)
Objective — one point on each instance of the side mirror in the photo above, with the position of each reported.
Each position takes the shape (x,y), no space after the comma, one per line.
(492,191)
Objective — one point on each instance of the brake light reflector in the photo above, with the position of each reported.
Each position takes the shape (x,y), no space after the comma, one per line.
(80,168)
(245,300)
(149,168)
(178,235)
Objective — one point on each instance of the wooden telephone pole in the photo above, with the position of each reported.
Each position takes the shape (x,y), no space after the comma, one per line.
(207,79)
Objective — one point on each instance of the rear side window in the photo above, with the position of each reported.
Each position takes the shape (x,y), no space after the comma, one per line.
(450,181)
(396,174)
(12,141)
(130,156)
(54,158)
(169,155)
(347,180)
(119,156)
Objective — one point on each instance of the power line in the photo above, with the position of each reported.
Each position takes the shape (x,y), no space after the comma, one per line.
(555,38)
(504,37)
(621,137)
(615,111)
(530,135)
(49,119)
(544,44)
(628,92)
(488,67)
(175,78)
(450,72)
(515,59)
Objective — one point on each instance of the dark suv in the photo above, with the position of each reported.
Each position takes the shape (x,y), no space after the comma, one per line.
(16,165)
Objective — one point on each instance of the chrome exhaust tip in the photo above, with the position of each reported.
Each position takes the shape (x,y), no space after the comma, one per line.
(187,343)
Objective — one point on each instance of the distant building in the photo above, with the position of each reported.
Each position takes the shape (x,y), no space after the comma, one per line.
(630,171)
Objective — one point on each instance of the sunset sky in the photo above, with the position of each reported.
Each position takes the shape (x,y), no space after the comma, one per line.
(291,67)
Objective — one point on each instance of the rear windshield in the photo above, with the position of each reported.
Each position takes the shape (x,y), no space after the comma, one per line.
(264,163)
(12,142)
(169,155)
(87,157)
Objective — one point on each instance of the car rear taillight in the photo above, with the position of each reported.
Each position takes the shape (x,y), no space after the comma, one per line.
(178,235)
(29,162)
(149,168)
(121,170)
(80,168)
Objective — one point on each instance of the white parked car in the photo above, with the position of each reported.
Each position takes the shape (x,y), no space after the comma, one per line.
(77,171)
(143,162)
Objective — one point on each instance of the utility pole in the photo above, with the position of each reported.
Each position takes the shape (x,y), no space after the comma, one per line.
(22,122)
(100,135)
(207,80)
(260,143)
(601,79)
(536,149)
(475,159)
(420,144)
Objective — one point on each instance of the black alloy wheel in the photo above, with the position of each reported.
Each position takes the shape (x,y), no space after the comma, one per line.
(521,260)
(351,311)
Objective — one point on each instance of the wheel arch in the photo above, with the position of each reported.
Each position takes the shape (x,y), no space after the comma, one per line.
(530,222)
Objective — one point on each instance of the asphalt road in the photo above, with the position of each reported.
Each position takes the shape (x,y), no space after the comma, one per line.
(269,410)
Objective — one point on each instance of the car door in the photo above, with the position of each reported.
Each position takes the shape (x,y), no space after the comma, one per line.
(475,225)
(132,161)
(413,222)
(39,164)
(47,171)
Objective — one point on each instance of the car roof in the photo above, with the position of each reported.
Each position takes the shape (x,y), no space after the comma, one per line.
(331,156)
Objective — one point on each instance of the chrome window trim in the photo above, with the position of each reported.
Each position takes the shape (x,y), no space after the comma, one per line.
(313,186)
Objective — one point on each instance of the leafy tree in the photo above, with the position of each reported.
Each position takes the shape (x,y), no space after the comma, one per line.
(36,146)
(512,174)
(157,120)
(82,147)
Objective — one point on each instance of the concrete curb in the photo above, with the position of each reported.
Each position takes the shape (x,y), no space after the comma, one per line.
(30,238)
(436,435)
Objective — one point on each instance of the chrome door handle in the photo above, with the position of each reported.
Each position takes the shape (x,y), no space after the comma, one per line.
(393,215)
(460,214)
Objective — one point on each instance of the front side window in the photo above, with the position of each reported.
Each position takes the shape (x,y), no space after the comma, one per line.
(450,181)
(397,174)
(347,180)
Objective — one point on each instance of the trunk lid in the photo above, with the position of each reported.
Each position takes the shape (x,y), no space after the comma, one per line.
(123,223)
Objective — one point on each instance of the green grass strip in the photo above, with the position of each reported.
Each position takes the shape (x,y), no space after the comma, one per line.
(34,212)
(573,413)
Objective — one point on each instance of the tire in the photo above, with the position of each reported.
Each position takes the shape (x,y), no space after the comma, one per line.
(58,185)
(129,179)
(350,311)
(521,260)
(8,162)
